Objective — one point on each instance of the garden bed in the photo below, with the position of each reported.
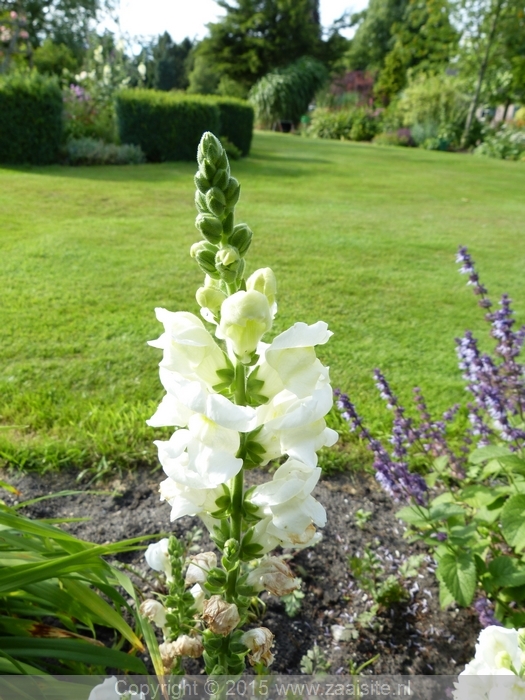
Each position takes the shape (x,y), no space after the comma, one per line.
(411,637)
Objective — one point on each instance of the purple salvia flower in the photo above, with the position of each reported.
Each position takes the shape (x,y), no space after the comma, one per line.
(485,610)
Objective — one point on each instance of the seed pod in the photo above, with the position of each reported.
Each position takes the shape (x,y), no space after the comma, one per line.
(215,201)
(241,238)
(210,227)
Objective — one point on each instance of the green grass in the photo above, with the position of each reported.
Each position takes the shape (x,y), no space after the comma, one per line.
(361,236)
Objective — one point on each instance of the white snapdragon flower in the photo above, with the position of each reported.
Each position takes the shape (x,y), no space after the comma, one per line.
(245,318)
(199,567)
(188,348)
(290,362)
(289,510)
(294,426)
(158,558)
(274,575)
(263,281)
(201,457)
(153,611)
(187,501)
(186,397)
(491,674)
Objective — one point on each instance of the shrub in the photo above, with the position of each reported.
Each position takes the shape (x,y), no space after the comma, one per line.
(88,151)
(400,137)
(364,126)
(167,126)
(31,109)
(236,122)
(326,124)
(286,93)
(507,143)
(86,117)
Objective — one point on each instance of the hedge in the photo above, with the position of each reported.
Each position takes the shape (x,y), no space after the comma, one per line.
(236,122)
(169,126)
(31,116)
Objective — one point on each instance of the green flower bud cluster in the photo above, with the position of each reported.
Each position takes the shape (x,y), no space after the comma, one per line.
(220,255)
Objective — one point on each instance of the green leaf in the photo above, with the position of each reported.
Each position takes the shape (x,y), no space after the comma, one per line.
(506,571)
(478,495)
(444,511)
(458,573)
(513,521)
(483,454)
(414,515)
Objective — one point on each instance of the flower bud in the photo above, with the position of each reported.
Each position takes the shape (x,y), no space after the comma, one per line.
(215,201)
(228,264)
(200,202)
(221,178)
(210,227)
(220,616)
(275,576)
(200,565)
(158,558)
(201,182)
(232,192)
(154,611)
(208,169)
(245,317)
(204,253)
(241,238)
(210,298)
(209,147)
(263,281)
(226,256)
(259,641)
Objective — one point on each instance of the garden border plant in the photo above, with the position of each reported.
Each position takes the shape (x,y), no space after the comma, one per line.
(466,503)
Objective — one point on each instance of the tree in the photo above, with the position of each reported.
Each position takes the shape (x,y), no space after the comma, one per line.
(493,42)
(424,41)
(171,59)
(257,36)
(373,39)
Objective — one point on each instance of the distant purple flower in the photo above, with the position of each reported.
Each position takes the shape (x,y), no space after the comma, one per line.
(485,610)
(468,268)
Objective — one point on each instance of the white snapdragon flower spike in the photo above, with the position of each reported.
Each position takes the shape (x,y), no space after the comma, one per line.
(289,510)
(290,362)
(158,558)
(245,318)
(187,501)
(296,427)
(201,457)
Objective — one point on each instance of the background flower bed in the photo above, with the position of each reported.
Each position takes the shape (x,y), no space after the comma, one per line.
(368,242)
(410,637)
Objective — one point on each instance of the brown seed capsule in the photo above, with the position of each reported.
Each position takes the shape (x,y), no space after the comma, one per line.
(220,616)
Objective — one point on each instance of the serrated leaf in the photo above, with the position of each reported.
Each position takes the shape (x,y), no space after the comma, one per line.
(513,521)
(458,573)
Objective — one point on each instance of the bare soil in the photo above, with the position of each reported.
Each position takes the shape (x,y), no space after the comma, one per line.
(411,637)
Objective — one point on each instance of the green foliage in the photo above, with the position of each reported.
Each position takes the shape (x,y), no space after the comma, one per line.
(346,124)
(54,59)
(88,116)
(89,151)
(31,109)
(438,104)
(292,602)
(286,93)
(254,38)
(424,40)
(236,117)
(401,137)
(314,662)
(507,143)
(167,126)
(204,77)
(51,601)
(373,38)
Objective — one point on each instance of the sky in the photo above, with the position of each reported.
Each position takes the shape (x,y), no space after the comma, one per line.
(183,18)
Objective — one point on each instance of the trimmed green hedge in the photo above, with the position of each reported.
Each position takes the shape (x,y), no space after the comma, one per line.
(31,119)
(169,126)
(236,122)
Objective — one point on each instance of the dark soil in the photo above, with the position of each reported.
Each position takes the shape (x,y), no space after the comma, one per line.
(411,637)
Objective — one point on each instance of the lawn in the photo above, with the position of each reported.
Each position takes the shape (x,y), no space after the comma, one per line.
(361,236)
